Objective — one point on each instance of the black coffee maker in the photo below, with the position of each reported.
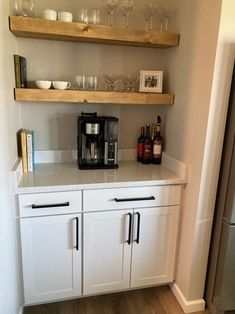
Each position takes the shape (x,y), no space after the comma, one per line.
(97,141)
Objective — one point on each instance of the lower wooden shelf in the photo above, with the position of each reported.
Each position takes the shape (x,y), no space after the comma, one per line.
(92,97)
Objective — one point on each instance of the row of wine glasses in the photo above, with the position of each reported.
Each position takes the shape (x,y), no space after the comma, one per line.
(150,8)
(94,82)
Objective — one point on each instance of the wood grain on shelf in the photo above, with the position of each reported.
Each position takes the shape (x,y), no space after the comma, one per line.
(58,30)
(93,97)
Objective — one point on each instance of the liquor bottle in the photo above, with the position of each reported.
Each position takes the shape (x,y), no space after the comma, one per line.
(140,145)
(157,144)
(147,146)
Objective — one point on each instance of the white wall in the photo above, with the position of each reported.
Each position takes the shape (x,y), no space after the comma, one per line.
(191,70)
(55,124)
(10,297)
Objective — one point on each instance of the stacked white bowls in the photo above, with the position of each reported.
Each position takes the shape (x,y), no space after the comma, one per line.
(49,14)
(65,16)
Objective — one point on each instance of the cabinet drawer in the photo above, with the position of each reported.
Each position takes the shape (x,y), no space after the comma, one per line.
(135,197)
(41,204)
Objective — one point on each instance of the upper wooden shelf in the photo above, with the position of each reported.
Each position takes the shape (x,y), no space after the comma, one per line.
(92,97)
(57,30)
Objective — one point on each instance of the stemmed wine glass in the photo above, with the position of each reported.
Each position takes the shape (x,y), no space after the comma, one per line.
(129,82)
(111,81)
(150,9)
(111,6)
(127,6)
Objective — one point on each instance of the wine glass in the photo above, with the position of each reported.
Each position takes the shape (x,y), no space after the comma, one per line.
(111,6)
(111,81)
(150,9)
(127,6)
(129,82)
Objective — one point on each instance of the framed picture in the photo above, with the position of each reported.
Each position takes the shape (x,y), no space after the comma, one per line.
(151,81)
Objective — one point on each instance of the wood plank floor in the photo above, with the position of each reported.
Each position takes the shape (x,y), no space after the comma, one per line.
(157,300)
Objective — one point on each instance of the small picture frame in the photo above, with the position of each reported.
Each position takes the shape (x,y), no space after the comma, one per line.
(151,81)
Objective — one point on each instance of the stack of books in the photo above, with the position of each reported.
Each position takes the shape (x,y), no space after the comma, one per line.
(20,71)
(25,143)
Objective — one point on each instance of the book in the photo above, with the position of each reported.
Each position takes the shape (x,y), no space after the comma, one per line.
(23,72)
(17,71)
(30,151)
(20,71)
(25,145)
(24,151)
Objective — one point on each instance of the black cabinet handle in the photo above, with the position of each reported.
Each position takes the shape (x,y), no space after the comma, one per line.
(77,233)
(149,198)
(137,240)
(129,231)
(50,205)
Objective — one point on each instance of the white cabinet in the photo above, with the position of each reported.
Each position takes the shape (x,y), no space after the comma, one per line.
(83,243)
(127,248)
(51,257)
(154,245)
(107,254)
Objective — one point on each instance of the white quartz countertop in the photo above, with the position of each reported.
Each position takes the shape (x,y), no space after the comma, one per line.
(53,177)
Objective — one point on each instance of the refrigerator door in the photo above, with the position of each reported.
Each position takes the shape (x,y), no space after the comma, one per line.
(224,291)
(229,209)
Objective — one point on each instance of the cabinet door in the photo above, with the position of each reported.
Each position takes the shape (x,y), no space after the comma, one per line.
(106,251)
(51,255)
(153,254)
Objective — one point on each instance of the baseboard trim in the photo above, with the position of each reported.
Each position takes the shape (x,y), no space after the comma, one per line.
(187,306)
(21,309)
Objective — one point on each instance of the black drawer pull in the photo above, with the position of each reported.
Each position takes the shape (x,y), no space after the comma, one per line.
(129,231)
(50,205)
(149,198)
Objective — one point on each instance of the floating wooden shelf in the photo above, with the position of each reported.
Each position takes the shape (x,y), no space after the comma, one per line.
(46,29)
(92,97)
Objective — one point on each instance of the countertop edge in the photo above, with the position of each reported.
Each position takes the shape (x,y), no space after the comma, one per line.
(93,186)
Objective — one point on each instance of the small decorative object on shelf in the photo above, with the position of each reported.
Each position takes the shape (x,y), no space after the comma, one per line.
(151,81)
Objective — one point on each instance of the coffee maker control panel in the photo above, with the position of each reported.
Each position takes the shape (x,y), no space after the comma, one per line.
(110,155)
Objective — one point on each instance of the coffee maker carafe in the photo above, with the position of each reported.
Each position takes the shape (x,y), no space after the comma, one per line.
(97,141)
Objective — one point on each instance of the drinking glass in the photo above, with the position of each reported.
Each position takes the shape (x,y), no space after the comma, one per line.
(81,82)
(111,6)
(111,81)
(92,82)
(150,9)
(93,16)
(127,6)
(129,82)
(83,15)
(27,7)
(15,7)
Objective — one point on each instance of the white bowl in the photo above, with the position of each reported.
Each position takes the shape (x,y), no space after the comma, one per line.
(49,11)
(65,18)
(43,84)
(65,13)
(49,14)
(61,84)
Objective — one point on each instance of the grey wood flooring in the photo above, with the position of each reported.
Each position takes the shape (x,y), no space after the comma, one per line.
(157,300)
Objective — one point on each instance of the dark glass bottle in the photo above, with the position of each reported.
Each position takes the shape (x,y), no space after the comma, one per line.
(157,144)
(140,145)
(147,146)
